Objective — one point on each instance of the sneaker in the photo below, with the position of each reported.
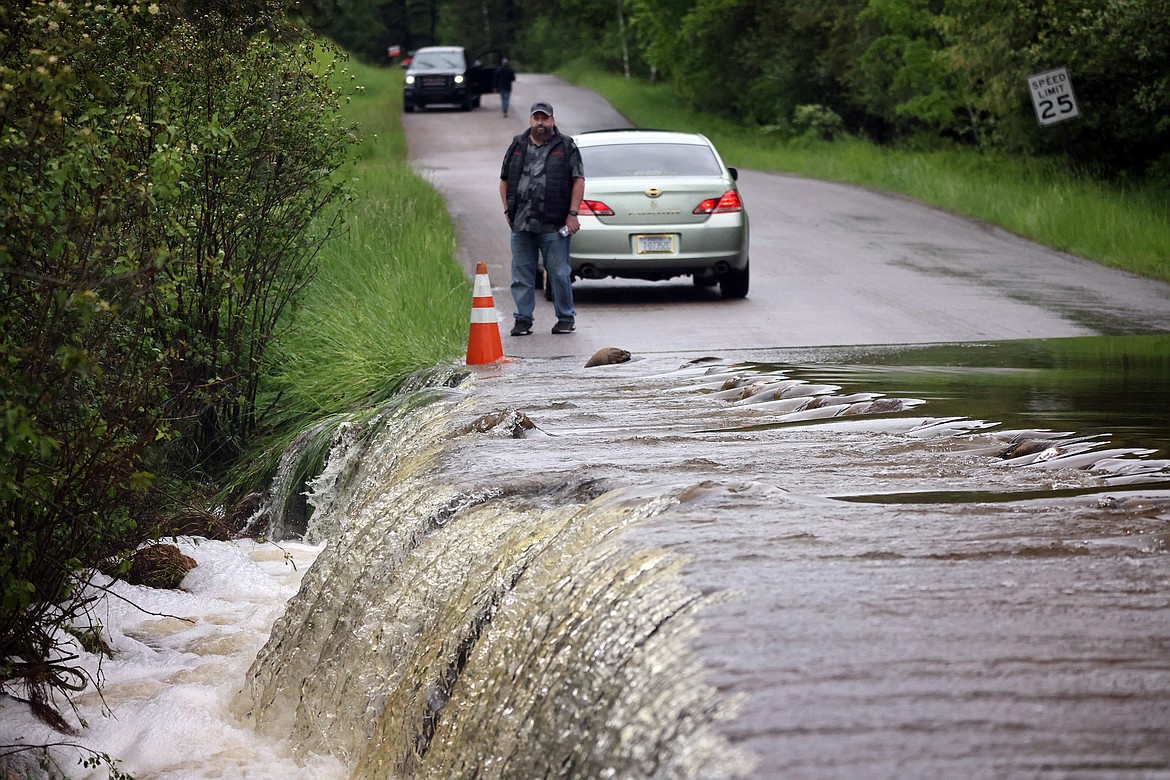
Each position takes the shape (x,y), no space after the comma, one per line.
(521,328)
(563,326)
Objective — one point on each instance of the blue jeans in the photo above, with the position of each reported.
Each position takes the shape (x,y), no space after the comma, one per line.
(555,249)
(505,96)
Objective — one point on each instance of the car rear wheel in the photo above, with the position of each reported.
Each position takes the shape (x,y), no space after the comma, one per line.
(542,283)
(734,283)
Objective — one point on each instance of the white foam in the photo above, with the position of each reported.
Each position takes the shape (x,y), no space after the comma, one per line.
(179,657)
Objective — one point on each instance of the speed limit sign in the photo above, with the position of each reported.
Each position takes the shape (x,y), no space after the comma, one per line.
(1052,96)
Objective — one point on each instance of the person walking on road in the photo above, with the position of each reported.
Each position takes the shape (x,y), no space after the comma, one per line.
(502,82)
(542,182)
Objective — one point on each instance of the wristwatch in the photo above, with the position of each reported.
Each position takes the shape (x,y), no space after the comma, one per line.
(572,213)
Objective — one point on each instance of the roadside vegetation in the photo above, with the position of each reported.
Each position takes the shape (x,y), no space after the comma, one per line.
(165,189)
(168,182)
(181,294)
(388,297)
(388,300)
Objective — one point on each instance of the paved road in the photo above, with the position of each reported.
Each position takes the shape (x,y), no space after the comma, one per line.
(831,264)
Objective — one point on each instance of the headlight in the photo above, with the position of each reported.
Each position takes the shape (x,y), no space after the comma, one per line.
(410,79)
(459,79)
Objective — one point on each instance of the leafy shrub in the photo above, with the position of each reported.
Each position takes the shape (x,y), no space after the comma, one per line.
(817,121)
(166,185)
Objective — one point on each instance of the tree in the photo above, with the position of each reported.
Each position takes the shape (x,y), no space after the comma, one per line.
(692,44)
(1117,52)
(159,212)
(357,25)
(903,75)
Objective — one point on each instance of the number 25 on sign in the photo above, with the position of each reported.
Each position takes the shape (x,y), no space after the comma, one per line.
(1052,96)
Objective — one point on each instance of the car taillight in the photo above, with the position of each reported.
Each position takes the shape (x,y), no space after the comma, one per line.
(595,208)
(728,204)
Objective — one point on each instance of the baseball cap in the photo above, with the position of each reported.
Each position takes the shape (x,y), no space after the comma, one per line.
(541,106)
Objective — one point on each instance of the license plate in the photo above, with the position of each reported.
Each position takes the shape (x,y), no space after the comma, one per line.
(656,245)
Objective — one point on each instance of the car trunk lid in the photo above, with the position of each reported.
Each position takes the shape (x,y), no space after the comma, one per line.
(648,202)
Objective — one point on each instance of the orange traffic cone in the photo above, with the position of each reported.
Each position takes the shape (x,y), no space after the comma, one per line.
(483,343)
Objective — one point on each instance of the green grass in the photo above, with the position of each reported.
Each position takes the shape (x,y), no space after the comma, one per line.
(1127,228)
(389,297)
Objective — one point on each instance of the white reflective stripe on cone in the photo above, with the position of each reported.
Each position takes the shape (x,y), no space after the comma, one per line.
(482,316)
(483,287)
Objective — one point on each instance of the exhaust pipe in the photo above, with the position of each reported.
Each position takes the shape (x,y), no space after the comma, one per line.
(722,267)
(588,272)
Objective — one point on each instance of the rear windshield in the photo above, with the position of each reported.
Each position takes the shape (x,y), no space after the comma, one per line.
(649,160)
(438,60)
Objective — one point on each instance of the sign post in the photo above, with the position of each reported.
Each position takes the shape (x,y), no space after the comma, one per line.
(1052,96)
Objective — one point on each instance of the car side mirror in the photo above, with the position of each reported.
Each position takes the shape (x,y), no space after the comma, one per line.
(734,173)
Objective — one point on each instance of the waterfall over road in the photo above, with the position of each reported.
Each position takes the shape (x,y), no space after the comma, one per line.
(724,568)
(454,630)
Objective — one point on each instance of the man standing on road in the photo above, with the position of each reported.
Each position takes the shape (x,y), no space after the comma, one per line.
(502,81)
(542,182)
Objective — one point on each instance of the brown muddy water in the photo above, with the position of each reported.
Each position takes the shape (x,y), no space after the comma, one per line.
(942,561)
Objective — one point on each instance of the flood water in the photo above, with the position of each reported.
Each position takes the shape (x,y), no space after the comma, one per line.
(943,561)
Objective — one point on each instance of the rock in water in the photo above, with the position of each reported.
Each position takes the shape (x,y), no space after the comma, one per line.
(159,566)
(607,357)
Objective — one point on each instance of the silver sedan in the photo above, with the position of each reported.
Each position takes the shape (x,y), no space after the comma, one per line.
(659,205)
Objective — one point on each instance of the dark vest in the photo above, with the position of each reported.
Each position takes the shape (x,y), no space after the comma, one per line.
(558,177)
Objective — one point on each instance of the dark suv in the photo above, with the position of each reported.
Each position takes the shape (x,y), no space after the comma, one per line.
(441,74)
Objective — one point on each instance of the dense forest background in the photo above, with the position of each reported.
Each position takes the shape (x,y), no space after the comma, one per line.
(921,72)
